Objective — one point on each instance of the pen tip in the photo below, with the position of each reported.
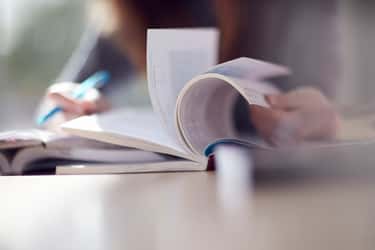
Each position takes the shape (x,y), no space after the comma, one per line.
(40,121)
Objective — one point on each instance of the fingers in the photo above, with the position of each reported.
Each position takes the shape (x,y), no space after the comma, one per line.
(274,126)
(277,127)
(60,95)
(264,120)
(78,107)
(288,128)
(102,105)
(296,99)
(283,101)
(68,105)
(323,123)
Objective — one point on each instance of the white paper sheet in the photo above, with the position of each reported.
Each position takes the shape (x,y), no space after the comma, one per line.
(205,106)
(136,128)
(174,56)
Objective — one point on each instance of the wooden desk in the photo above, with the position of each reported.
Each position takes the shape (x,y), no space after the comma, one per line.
(183,211)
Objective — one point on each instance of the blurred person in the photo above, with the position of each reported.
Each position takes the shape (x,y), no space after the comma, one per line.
(302,35)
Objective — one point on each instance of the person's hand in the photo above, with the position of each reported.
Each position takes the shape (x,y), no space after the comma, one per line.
(60,95)
(296,116)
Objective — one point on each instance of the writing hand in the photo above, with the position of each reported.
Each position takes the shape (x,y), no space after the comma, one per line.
(60,95)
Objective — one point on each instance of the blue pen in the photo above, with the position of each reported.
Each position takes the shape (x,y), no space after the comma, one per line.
(95,81)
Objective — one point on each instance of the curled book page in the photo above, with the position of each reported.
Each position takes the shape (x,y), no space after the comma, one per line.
(204,111)
(175,56)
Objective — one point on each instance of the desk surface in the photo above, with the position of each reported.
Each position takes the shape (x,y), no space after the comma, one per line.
(183,211)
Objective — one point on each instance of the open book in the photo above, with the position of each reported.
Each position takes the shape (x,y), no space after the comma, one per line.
(192,99)
(35,150)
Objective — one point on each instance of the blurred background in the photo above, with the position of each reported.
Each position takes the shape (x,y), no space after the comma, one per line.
(38,37)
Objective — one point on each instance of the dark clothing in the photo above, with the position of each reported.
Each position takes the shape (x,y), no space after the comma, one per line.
(300,34)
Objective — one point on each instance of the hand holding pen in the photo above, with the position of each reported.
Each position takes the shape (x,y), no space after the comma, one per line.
(73,100)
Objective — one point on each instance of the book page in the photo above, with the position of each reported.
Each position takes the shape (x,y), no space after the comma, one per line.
(171,165)
(205,106)
(76,142)
(24,138)
(174,56)
(250,69)
(136,128)
(25,158)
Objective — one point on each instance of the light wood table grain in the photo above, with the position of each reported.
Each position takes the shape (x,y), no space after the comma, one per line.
(184,211)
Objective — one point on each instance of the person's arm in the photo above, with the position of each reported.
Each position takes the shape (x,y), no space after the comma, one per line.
(93,54)
(96,53)
(84,59)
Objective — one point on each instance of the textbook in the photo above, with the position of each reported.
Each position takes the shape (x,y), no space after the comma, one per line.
(36,150)
(192,99)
